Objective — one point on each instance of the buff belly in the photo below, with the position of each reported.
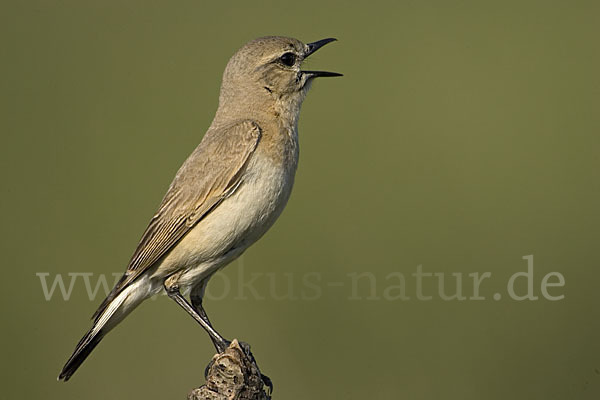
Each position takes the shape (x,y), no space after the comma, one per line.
(228,230)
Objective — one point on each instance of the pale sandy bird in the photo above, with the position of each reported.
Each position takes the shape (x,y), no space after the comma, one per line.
(228,192)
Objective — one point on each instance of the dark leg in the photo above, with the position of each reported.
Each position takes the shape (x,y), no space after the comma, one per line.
(173,292)
(197,304)
(196,296)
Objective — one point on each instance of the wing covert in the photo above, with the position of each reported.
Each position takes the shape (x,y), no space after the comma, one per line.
(209,175)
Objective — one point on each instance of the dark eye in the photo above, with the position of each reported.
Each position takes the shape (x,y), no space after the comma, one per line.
(288,59)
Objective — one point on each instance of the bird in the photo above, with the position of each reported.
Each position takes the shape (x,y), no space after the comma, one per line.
(226,194)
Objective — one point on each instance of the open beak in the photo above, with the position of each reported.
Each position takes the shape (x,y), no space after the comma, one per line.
(313,47)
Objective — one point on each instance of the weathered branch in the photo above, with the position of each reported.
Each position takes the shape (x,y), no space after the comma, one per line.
(231,375)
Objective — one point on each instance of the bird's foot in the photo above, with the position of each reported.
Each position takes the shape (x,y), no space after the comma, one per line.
(221,344)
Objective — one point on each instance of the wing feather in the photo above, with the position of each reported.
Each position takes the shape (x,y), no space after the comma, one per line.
(211,173)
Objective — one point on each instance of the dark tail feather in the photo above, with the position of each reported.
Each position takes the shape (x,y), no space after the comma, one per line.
(82,351)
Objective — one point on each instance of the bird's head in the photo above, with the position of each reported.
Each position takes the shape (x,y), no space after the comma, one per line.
(266,72)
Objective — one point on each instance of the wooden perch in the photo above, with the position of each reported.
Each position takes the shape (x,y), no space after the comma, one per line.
(233,375)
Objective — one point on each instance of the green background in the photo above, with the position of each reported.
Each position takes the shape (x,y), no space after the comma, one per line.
(463,136)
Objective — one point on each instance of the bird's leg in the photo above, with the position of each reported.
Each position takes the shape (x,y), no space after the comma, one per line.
(196,295)
(172,290)
(196,298)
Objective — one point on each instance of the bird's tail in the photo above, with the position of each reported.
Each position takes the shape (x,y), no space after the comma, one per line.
(82,351)
(111,315)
